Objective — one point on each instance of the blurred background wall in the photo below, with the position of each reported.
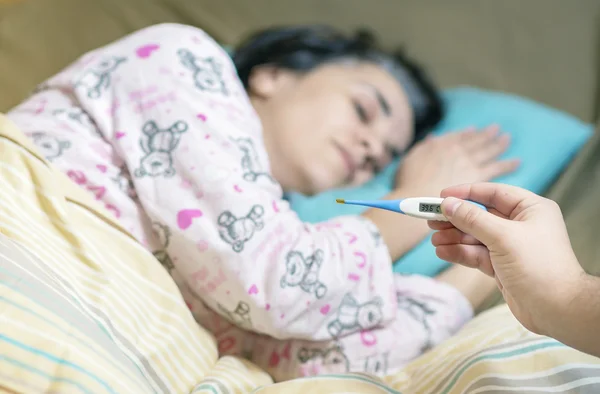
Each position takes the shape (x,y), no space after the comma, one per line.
(547,50)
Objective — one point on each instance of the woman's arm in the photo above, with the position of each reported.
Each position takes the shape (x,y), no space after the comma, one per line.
(399,232)
(180,119)
(243,251)
(434,164)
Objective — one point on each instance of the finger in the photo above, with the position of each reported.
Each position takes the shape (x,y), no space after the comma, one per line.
(481,138)
(494,211)
(504,198)
(453,236)
(498,168)
(459,135)
(469,131)
(500,286)
(470,219)
(438,225)
(491,150)
(473,256)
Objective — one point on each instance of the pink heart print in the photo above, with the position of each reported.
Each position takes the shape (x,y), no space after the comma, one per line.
(145,51)
(186,216)
(325,309)
(274,360)
(119,135)
(354,277)
(351,238)
(253,290)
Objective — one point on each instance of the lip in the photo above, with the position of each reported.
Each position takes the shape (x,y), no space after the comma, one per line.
(349,162)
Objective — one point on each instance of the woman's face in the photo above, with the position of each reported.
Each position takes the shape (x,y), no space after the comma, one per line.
(334,126)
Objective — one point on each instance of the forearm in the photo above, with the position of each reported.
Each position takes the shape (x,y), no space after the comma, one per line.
(578,324)
(399,232)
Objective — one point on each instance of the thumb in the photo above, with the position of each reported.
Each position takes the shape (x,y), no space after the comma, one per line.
(472,220)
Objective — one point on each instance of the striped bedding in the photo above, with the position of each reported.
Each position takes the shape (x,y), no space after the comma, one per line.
(85,309)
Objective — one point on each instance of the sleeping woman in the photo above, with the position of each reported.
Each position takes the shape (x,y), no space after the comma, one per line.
(194,153)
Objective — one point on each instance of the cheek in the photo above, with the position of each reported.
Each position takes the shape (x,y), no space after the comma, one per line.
(323,116)
(340,120)
(402,138)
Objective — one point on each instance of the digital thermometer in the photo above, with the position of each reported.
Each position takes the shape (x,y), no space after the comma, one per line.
(428,208)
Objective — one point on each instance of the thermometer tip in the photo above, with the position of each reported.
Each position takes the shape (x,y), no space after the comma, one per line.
(340,200)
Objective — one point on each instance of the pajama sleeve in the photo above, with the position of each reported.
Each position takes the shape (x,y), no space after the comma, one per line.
(176,112)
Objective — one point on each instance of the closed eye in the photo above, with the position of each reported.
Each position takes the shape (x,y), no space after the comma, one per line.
(361,112)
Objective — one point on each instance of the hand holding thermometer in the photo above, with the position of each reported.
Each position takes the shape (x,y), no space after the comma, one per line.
(428,208)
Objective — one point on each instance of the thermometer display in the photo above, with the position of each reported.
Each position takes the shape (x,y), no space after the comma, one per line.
(434,208)
(429,208)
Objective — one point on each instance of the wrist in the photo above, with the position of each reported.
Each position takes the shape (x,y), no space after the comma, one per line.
(576,313)
(406,191)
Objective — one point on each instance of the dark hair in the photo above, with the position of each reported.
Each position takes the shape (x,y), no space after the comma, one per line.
(303,48)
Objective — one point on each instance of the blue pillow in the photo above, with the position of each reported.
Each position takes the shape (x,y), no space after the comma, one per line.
(543,138)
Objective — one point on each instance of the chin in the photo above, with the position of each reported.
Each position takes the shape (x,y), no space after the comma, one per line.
(325,185)
(311,187)
(319,181)
(313,190)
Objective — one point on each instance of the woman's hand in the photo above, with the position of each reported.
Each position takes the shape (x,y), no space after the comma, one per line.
(454,158)
(432,165)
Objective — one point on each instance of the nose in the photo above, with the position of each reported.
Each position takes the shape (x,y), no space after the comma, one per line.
(372,144)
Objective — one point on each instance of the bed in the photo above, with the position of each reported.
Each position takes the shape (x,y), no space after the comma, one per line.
(76,320)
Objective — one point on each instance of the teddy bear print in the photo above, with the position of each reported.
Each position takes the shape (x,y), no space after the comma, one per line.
(240,316)
(124,182)
(208,72)
(95,80)
(352,316)
(250,162)
(50,147)
(164,235)
(158,145)
(237,231)
(75,114)
(420,312)
(40,87)
(79,116)
(304,272)
(373,231)
(376,237)
(333,359)
(377,365)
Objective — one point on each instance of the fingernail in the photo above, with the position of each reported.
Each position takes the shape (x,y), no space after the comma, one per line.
(451,204)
